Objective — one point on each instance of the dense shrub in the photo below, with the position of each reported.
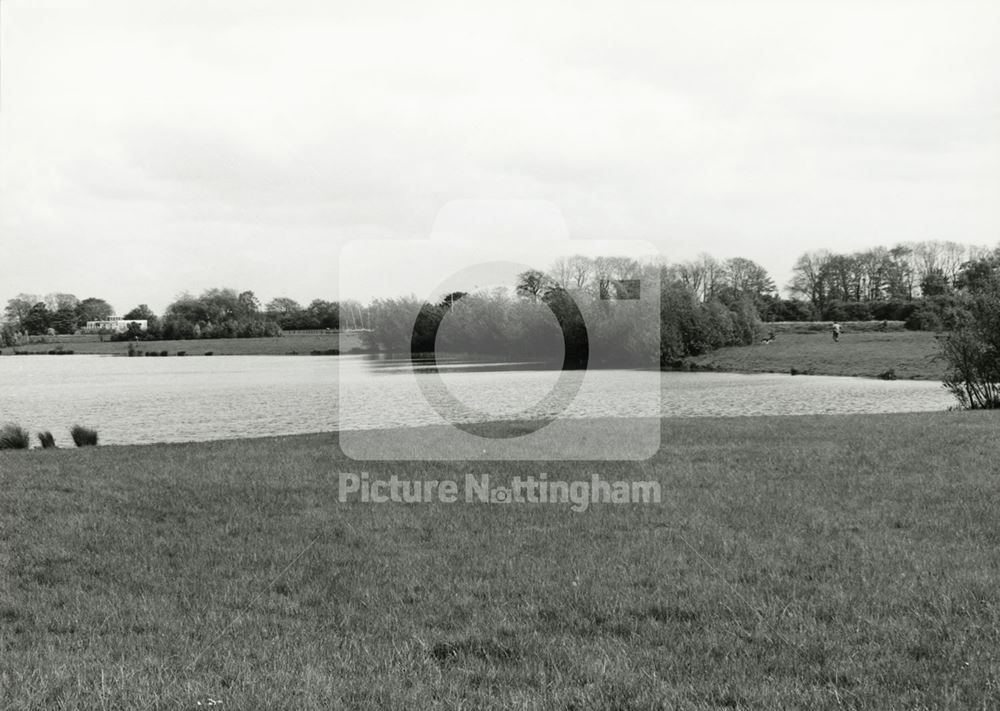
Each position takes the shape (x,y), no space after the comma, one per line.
(972,350)
(938,313)
(83,436)
(47,440)
(13,436)
(789,310)
(892,310)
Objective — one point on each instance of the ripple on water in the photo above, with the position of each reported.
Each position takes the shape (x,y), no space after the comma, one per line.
(141,400)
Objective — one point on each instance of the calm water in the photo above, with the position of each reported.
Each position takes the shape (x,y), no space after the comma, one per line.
(139,400)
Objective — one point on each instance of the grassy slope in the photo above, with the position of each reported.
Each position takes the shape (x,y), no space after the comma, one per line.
(912,354)
(218,346)
(811,562)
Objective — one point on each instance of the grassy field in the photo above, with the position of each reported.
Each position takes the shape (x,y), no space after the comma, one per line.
(283,345)
(813,562)
(909,354)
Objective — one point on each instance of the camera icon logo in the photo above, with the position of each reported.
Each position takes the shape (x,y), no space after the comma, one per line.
(501,495)
(525,344)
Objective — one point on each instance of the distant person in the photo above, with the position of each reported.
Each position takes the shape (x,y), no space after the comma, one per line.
(836,331)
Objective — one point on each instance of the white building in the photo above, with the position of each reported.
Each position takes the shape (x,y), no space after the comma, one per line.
(116,324)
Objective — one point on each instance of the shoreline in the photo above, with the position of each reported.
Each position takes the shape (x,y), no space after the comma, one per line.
(886,355)
(425,432)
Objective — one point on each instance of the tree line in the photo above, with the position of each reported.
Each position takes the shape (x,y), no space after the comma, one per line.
(881,282)
(215,313)
(706,302)
(598,317)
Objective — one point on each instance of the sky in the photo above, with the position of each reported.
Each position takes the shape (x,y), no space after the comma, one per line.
(149,148)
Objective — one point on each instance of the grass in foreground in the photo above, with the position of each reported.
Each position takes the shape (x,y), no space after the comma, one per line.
(908,354)
(814,562)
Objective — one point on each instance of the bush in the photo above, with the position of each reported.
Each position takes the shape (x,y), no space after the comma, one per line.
(47,440)
(83,436)
(925,318)
(848,311)
(973,354)
(893,310)
(790,310)
(13,436)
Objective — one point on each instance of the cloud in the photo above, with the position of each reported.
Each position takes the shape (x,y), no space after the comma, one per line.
(186,145)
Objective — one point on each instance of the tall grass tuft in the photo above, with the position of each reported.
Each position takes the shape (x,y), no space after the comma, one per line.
(13,436)
(83,436)
(47,440)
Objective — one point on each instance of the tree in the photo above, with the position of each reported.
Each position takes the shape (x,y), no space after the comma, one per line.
(901,273)
(532,284)
(953,256)
(283,306)
(220,305)
(287,313)
(981,275)
(745,278)
(93,309)
(38,320)
(8,336)
(133,332)
(325,314)
(703,276)
(63,320)
(142,312)
(17,309)
(873,269)
(580,269)
(934,283)
(217,313)
(154,327)
(810,277)
(249,304)
(57,301)
(841,272)
(972,351)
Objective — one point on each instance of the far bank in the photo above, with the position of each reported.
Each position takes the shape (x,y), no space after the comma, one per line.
(903,355)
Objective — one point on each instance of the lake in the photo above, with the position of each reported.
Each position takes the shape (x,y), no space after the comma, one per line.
(143,400)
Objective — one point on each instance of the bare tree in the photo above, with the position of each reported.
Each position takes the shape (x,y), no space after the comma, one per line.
(953,256)
(18,308)
(561,272)
(747,278)
(581,268)
(810,276)
(57,301)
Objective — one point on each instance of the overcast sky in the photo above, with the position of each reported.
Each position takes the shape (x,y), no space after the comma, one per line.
(151,147)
